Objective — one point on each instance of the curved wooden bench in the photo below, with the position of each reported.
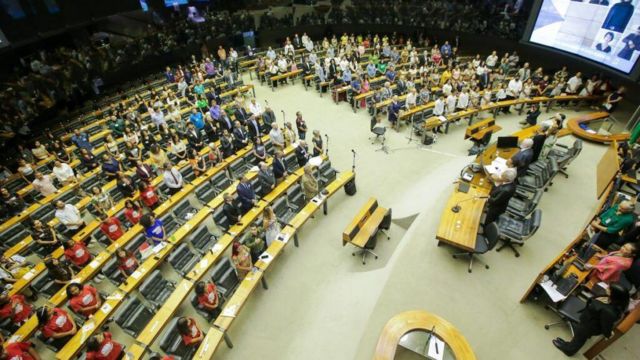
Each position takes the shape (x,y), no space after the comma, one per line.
(408,321)
(574,125)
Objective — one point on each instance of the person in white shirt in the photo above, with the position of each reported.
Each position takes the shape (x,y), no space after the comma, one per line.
(573,85)
(514,88)
(64,173)
(463,100)
(172,178)
(271,54)
(44,184)
(412,98)
(255,108)
(492,60)
(282,65)
(438,110)
(446,88)
(276,136)
(451,103)
(288,49)
(70,216)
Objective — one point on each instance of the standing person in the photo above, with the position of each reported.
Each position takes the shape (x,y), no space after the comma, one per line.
(246,195)
(45,237)
(64,173)
(172,178)
(153,229)
(16,308)
(598,318)
(500,195)
(70,217)
(610,267)
(241,258)
(317,143)
(394,113)
(270,225)
(44,184)
(255,242)
(267,179)
(101,201)
(127,262)
(76,253)
(230,209)
(111,227)
(148,195)
(538,141)
(301,125)
(309,183)
(302,153)
(279,167)
(144,171)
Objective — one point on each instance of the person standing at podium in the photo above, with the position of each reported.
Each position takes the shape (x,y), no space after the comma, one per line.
(503,190)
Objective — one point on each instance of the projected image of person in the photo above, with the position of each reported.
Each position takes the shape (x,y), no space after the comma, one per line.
(599,2)
(604,45)
(631,43)
(619,16)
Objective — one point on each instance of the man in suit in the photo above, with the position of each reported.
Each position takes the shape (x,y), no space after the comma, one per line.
(246,195)
(230,210)
(225,122)
(279,167)
(522,159)
(500,194)
(194,137)
(254,128)
(268,118)
(267,179)
(302,153)
(241,114)
(538,140)
(240,138)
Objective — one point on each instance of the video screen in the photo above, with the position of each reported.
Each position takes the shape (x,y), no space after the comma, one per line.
(194,15)
(604,31)
(174,3)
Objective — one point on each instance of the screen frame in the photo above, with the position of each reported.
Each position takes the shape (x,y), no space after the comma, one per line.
(633,75)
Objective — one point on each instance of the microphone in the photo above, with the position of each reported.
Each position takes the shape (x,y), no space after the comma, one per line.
(456,208)
(353,151)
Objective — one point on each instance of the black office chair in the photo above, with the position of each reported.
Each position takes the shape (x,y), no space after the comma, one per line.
(484,244)
(378,131)
(566,156)
(569,312)
(516,231)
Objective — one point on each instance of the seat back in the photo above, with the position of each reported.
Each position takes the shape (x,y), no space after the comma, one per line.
(291,162)
(295,196)
(386,221)
(280,208)
(533,224)
(133,246)
(205,192)
(237,168)
(201,239)
(187,174)
(220,181)
(224,275)
(491,233)
(169,223)
(220,219)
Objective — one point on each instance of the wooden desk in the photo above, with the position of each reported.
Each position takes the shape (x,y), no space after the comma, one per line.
(239,299)
(416,320)
(574,125)
(358,221)
(479,129)
(370,227)
(209,344)
(461,229)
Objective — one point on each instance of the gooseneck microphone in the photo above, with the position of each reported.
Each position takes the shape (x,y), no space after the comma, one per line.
(456,208)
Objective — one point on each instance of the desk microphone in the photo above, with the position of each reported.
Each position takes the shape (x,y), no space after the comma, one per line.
(456,208)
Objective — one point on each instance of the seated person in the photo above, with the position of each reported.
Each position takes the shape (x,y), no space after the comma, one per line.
(127,262)
(188,329)
(208,300)
(532,116)
(613,264)
(19,350)
(56,324)
(83,299)
(611,222)
(102,347)
(15,307)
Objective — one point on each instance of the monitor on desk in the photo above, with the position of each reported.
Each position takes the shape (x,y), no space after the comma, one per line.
(506,142)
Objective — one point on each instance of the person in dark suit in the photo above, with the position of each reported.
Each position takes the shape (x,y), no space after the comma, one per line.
(279,167)
(532,116)
(268,118)
(267,179)
(246,195)
(226,143)
(538,140)
(225,122)
(302,153)
(144,171)
(241,114)
(500,195)
(240,138)
(522,158)
(194,137)
(254,128)
(598,318)
(211,130)
(230,210)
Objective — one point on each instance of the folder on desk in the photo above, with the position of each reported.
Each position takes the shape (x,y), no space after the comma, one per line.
(497,166)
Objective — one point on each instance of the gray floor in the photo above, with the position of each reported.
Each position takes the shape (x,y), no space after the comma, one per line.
(324,304)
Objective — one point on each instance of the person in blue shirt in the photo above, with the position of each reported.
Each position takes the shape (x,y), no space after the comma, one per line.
(214,110)
(346,77)
(619,16)
(169,75)
(371,70)
(110,167)
(199,88)
(391,74)
(153,229)
(246,195)
(81,140)
(196,119)
(356,86)
(445,50)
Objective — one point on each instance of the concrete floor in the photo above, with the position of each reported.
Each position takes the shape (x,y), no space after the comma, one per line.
(324,304)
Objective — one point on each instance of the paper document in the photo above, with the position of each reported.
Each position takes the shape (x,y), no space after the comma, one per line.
(551,289)
(497,166)
(266,257)
(230,311)
(436,348)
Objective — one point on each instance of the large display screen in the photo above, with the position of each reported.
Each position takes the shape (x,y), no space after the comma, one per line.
(604,31)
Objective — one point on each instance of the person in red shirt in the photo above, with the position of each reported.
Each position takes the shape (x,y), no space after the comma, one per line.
(16,307)
(18,351)
(188,329)
(208,297)
(111,227)
(161,357)
(148,195)
(127,263)
(102,347)
(77,253)
(56,324)
(132,211)
(83,300)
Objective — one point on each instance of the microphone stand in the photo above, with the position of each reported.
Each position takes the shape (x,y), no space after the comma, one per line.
(353,164)
(456,208)
(327,147)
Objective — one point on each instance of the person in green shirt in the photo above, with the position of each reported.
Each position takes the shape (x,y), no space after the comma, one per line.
(202,103)
(611,222)
(382,68)
(116,125)
(255,242)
